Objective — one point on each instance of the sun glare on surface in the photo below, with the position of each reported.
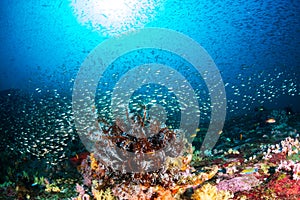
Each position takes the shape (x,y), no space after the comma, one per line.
(114,17)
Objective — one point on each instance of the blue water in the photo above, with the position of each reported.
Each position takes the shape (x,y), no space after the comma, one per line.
(43,45)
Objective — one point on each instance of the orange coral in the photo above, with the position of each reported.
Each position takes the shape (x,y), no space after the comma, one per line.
(163,194)
(94,163)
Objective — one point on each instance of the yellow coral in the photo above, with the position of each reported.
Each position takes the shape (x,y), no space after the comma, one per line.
(94,163)
(180,162)
(103,195)
(52,188)
(210,192)
(163,194)
(265,168)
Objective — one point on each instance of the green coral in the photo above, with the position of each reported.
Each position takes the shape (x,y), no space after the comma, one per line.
(25,175)
(295,156)
(281,176)
(6,184)
(196,156)
(38,180)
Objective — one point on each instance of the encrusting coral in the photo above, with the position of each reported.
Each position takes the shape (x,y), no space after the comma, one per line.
(210,192)
(236,184)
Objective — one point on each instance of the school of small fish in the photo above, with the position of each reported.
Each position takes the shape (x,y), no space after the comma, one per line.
(41,124)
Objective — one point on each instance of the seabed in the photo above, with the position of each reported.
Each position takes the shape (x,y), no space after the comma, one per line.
(256,157)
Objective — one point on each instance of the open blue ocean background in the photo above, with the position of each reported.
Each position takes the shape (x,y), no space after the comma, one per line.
(43,45)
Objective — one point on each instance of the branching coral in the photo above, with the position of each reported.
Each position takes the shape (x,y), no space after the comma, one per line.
(288,148)
(290,166)
(103,195)
(285,155)
(51,187)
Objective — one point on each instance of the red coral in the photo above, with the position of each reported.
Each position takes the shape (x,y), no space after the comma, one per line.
(276,158)
(76,160)
(285,187)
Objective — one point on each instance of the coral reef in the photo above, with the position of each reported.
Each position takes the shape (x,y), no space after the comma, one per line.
(252,168)
(97,194)
(182,177)
(172,175)
(139,145)
(177,176)
(237,184)
(209,192)
(290,166)
(284,187)
(103,195)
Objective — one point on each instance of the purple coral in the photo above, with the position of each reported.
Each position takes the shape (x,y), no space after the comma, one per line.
(80,189)
(237,184)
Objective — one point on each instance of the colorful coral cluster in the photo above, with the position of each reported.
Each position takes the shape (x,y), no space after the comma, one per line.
(288,146)
(291,166)
(278,173)
(98,195)
(285,156)
(229,176)
(220,174)
(172,176)
(173,180)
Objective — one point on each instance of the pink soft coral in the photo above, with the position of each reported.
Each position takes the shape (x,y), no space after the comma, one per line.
(237,184)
